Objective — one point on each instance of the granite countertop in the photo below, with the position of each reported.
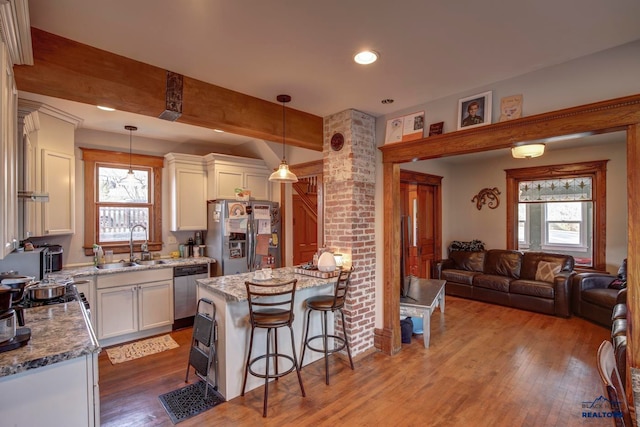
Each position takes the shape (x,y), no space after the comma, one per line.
(91,270)
(232,287)
(59,332)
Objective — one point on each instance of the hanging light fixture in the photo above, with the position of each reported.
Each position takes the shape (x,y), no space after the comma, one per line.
(130,176)
(528,151)
(283,174)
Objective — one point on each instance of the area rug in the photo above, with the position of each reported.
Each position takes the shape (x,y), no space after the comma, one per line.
(189,401)
(138,349)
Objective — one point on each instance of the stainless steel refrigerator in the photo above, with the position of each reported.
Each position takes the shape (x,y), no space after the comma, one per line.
(243,236)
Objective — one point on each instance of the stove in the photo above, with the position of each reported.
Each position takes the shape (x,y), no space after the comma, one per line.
(71,294)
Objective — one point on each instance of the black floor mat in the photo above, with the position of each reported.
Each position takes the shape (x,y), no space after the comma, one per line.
(189,401)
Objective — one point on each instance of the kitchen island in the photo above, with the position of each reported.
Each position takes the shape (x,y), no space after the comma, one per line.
(229,295)
(53,379)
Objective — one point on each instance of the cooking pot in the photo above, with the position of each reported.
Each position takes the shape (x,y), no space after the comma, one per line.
(6,297)
(7,326)
(16,282)
(45,291)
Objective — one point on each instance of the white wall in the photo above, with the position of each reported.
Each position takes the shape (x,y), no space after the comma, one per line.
(605,75)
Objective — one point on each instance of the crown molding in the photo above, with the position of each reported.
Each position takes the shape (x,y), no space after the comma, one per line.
(25,105)
(15,30)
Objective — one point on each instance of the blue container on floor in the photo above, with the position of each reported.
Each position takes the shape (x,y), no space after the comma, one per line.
(417,325)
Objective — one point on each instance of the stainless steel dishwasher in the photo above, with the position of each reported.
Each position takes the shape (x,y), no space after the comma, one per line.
(185,301)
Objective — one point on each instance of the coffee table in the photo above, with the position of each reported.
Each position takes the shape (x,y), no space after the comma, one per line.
(423,296)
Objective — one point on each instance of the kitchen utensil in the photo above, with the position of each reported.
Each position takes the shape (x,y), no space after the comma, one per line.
(18,283)
(6,297)
(45,291)
(7,325)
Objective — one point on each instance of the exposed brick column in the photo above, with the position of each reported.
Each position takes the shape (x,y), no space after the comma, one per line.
(349,216)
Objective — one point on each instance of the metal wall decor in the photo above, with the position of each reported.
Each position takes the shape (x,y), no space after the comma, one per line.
(487,196)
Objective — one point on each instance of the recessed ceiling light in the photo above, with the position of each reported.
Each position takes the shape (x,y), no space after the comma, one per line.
(103,108)
(366,57)
(218,130)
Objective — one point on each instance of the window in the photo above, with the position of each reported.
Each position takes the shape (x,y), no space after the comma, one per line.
(559,208)
(116,202)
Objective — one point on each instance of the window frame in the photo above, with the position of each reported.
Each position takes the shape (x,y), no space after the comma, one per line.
(582,245)
(597,170)
(92,158)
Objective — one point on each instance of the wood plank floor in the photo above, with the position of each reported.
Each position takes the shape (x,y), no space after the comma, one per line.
(487,366)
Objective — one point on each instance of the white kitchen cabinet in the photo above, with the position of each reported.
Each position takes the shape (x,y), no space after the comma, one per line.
(133,305)
(49,167)
(8,154)
(188,192)
(226,173)
(58,180)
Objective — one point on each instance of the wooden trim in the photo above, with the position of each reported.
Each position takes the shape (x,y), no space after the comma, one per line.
(597,170)
(70,70)
(633,247)
(90,157)
(600,117)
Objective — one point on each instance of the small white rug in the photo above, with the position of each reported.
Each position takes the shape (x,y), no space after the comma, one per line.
(135,350)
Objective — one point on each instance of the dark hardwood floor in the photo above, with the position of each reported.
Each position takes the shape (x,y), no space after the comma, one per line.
(487,366)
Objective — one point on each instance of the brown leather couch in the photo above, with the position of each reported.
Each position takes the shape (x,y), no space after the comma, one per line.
(594,299)
(535,281)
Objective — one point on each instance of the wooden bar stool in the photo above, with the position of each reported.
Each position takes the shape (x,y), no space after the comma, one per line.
(325,304)
(270,308)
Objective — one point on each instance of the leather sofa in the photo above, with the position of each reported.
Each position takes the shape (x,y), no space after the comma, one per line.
(594,298)
(535,281)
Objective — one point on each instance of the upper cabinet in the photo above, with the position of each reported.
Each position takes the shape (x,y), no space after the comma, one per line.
(195,179)
(226,173)
(8,155)
(48,167)
(188,191)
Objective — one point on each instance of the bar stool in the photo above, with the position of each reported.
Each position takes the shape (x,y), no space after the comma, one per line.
(325,304)
(270,308)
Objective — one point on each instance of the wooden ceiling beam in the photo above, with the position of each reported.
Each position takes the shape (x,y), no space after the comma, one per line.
(77,72)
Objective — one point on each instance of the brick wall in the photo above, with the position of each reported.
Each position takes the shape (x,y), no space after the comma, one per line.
(349,217)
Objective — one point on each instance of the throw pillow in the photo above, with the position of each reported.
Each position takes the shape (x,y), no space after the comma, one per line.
(547,270)
(618,284)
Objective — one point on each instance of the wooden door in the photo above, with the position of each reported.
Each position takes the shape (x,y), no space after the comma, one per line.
(425,230)
(420,212)
(305,232)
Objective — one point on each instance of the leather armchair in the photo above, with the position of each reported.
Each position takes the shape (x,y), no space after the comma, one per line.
(592,297)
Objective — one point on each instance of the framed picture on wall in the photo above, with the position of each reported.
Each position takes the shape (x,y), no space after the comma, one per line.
(474,111)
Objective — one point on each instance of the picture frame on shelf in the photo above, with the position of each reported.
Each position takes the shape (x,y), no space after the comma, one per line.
(510,108)
(406,128)
(436,128)
(474,111)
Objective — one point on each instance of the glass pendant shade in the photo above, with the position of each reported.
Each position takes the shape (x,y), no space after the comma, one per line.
(527,151)
(283,174)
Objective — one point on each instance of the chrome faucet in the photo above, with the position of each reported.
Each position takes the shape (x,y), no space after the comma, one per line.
(143,247)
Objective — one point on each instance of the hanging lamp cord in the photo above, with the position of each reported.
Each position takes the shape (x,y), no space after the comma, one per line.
(284,128)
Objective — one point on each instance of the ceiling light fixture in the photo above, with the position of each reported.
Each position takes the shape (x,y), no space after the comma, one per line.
(528,151)
(130,129)
(103,108)
(283,174)
(366,57)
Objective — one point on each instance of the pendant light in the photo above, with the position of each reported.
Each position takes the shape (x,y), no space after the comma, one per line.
(130,176)
(283,174)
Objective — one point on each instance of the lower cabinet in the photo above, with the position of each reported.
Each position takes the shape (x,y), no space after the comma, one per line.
(132,303)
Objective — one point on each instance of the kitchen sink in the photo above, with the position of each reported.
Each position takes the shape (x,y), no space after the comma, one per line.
(114,265)
(150,262)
